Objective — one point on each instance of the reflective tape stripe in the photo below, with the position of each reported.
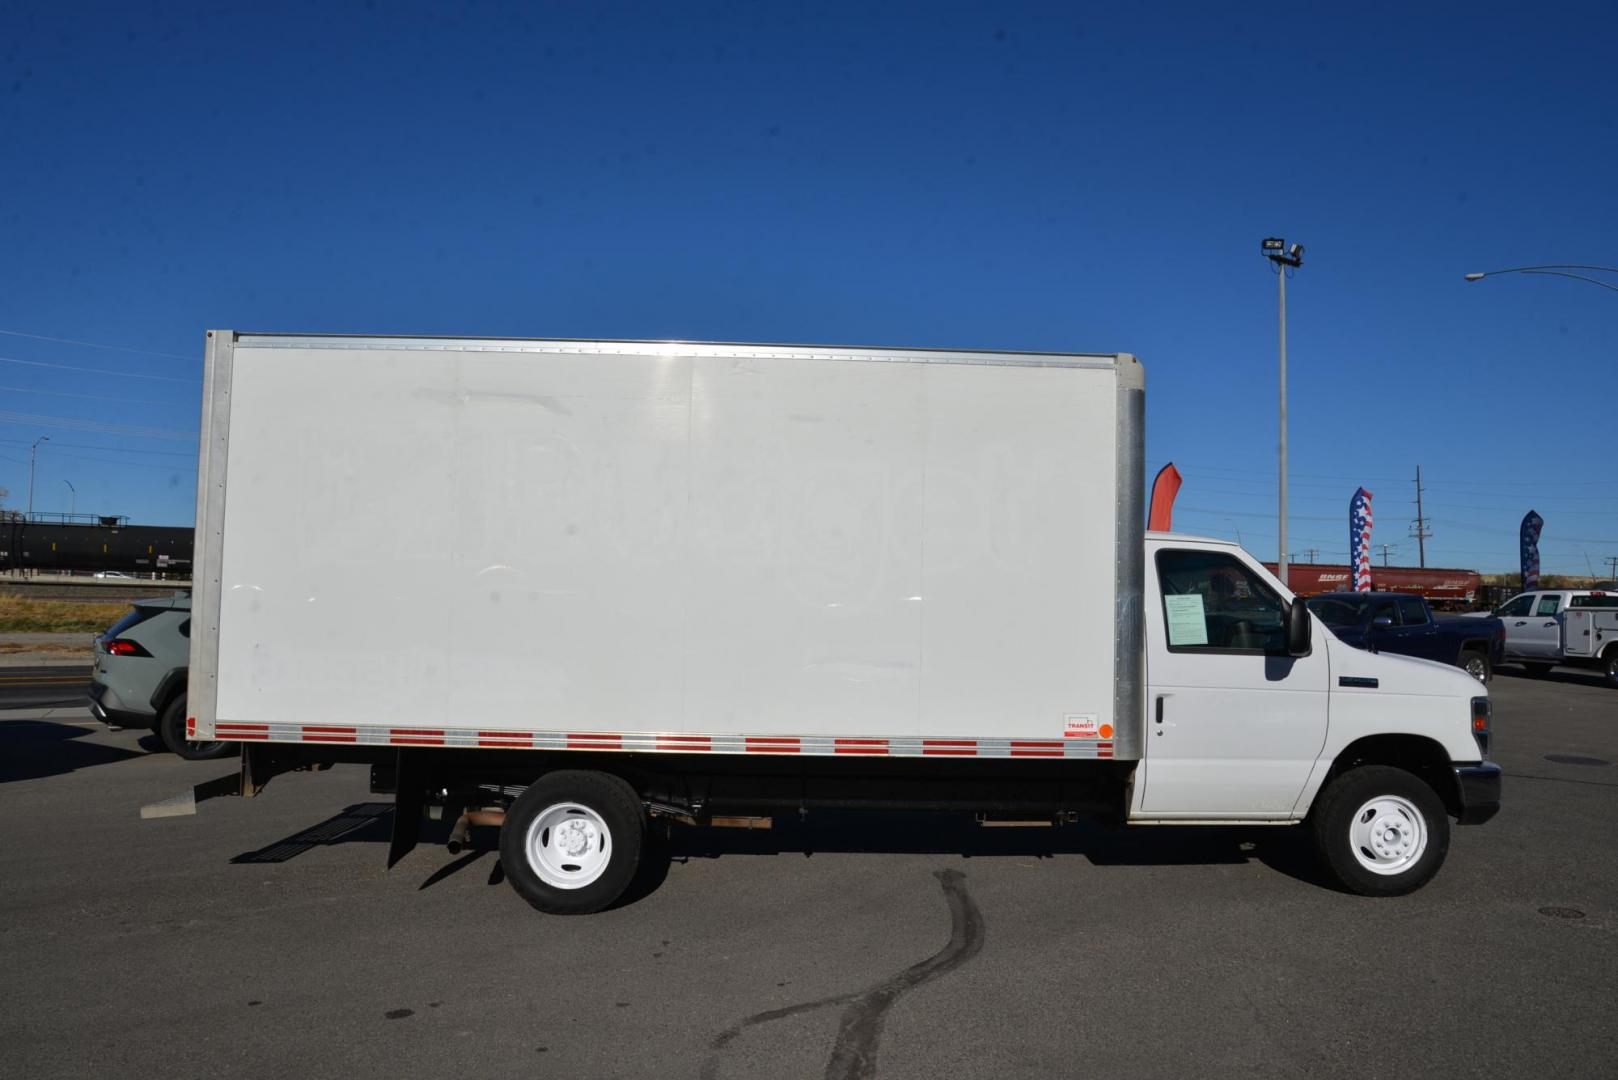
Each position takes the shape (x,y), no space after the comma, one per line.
(660,742)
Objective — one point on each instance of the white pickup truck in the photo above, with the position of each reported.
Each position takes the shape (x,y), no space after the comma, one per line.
(589,590)
(1577,627)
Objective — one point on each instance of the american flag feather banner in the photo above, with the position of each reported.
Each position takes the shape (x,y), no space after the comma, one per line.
(1529,535)
(1359,539)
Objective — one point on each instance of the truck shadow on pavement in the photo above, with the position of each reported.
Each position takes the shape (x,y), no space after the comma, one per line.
(1285,850)
(361,823)
(34,749)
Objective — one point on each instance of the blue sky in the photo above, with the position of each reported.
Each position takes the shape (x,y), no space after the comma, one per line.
(992,176)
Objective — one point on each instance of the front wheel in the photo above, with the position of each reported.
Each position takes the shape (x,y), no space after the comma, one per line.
(1476,665)
(171,729)
(1609,666)
(571,842)
(1380,831)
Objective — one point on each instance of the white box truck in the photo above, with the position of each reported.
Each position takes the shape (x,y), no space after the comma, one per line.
(586,588)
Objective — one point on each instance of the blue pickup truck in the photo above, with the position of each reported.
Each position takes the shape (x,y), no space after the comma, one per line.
(1403,623)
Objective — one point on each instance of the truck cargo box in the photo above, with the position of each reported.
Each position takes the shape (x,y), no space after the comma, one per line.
(669,547)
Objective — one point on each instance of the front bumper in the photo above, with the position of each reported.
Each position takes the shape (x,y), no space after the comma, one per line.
(1479,786)
(106,707)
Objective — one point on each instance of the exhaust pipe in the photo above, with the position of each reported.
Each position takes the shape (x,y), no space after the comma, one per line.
(460,836)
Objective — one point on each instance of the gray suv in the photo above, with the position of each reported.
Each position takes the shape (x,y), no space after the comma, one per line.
(140,670)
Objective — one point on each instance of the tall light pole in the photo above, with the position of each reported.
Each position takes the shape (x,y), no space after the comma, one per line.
(1276,250)
(73,500)
(1554,270)
(33,454)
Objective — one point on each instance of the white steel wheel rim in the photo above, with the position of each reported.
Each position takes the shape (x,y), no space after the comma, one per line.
(1388,834)
(568,845)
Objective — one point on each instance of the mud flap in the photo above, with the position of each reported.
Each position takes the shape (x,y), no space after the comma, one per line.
(410,790)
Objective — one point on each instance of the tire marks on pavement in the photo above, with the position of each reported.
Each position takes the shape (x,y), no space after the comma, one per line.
(859,1031)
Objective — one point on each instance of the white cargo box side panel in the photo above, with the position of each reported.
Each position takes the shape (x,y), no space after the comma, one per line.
(602,545)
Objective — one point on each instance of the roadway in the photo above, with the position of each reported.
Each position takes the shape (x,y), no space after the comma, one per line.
(263,937)
(43,686)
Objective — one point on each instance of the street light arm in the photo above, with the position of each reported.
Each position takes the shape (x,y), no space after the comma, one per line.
(1576,277)
(1547,266)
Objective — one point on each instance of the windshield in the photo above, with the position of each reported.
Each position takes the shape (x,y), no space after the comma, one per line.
(1338,611)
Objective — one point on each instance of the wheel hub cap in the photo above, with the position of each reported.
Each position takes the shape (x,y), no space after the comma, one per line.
(575,838)
(568,845)
(1388,834)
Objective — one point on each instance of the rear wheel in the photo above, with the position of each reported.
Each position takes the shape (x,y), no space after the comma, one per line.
(171,729)
(1609,666)
(570,843)
(1476,665)
(1380,831)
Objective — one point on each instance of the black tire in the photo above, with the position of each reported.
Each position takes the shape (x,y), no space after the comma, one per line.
(1475,664)
(1609,666)
(1347,802)
(171,729)
(607,802)
(1537,670)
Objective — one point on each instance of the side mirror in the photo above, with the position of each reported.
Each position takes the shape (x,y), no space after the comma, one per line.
(1382,620)
(1299,627)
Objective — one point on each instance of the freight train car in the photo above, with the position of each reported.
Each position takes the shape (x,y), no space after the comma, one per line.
(1441,587)
(62,547)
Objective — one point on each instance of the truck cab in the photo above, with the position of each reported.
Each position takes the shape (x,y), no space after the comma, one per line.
(1254,719)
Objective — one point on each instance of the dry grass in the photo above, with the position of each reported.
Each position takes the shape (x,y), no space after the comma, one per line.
(53,648)
(19,615)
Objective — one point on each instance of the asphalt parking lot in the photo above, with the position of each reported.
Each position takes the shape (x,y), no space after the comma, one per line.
(263,938)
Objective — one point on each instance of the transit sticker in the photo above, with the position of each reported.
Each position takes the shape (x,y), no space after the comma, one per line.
(1081,726)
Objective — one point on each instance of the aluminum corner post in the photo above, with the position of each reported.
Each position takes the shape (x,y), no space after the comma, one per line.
(1129,581)
(206,589)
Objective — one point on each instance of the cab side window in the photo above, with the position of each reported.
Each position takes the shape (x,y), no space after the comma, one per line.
(1213,603)
(1412,612)
(1517,608)
(1548,604)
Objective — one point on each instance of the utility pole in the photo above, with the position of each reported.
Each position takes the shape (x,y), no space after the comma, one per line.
(1311,552)
(1418,528)
(1612,566)
(1276,250)
(1385,549)
(73,500)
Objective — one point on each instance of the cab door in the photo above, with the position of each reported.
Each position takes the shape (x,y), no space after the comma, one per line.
(1541,634)
(1235,724)
(1515,615)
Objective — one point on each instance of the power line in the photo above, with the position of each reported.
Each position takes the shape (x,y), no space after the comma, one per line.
(108,449)
(1485,486)
(95,371)
(88,397)
(115,461)
(68,423)
(94,345)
